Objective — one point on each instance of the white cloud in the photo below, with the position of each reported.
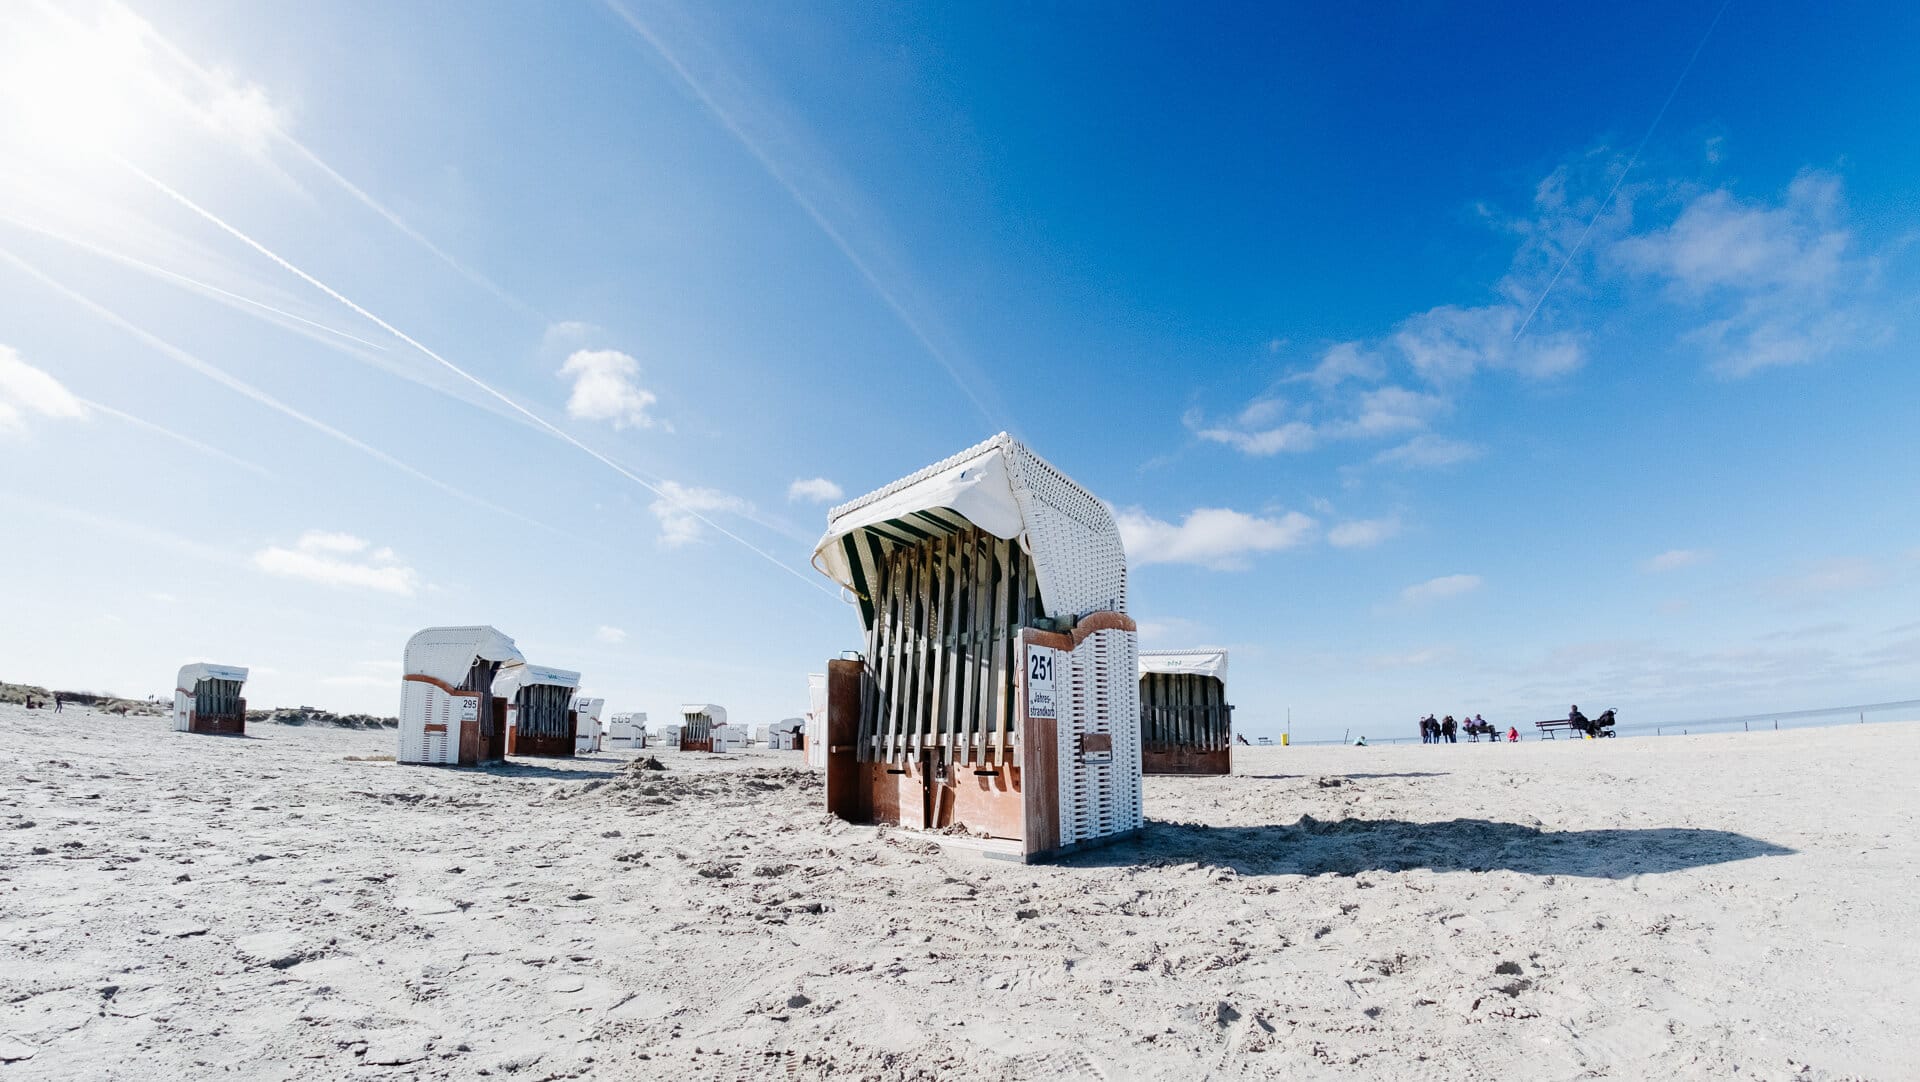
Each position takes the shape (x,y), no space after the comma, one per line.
(679,506)
(1372,413)
(1292,436)
(25,390)
(814,490)
(1387,411)
(241,112)
(1777,282)
(1172,632)
(344,544)
(1840,575)
(1362,533)
(1215,537)
(1439,589)
(611,635)
(1342,362)
(1675,559)
(1450,343)
(1427,451)
(604,388)
(339,559)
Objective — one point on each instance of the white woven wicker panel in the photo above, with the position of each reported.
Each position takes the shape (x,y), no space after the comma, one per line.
(1100,696)
(421,705)
(1076,546)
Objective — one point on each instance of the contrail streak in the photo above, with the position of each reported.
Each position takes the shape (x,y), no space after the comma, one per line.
(263,311)
(239,386)
(1621,179)
(181,279)
(177,437)
(539,421)
(820,219)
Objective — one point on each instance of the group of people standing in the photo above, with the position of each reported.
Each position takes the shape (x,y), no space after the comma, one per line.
(1446,730)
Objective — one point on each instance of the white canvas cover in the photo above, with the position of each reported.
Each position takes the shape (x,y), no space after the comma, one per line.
(714,713)
(447,653)
(1190,662)
(201,670)
(510,681)
(1003,488)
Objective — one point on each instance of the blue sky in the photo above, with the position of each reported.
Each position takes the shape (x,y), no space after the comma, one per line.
(1433,359)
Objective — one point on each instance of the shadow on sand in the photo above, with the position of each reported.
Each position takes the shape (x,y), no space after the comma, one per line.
(521,768)
(1350,777)
(1348,846)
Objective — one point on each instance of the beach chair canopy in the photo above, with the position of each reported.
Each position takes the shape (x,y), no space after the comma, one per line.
(447,653)
(510,681)
(714,713)
(1003,489)
(1185,662)
(191,675)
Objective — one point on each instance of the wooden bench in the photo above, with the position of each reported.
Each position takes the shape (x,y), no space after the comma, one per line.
(1551,727)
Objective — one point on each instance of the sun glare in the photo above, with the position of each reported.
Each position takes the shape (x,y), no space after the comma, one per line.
(70,88)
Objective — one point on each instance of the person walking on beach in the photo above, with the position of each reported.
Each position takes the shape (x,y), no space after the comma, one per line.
(56,702)
(1448,728)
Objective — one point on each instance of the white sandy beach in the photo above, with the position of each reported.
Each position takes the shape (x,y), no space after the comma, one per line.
(175,906)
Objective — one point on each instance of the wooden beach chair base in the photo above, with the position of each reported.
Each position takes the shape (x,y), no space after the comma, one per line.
(234,724)
(1009,811)
(1177,760)
(560,746)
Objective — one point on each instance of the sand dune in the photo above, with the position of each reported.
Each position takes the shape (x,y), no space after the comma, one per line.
(1705,907)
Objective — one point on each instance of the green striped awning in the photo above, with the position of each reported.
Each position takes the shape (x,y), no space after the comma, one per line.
(868,547)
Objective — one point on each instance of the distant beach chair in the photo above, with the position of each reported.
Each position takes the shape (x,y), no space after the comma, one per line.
(816,744)
(540,717)
(206,699)
(787,735)
(1186,725)
(589,731)
(697,721)
(627,730)
(999,687)
(449,715)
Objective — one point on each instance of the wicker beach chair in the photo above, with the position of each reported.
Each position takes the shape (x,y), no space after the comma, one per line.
(206,699)
(997,690)
(1186,725)
(448,713)
(540,715)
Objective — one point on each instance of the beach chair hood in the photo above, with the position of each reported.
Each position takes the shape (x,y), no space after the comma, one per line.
(1003,489)
(447,653)
(200,670)
(511,680)
(1185,662)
